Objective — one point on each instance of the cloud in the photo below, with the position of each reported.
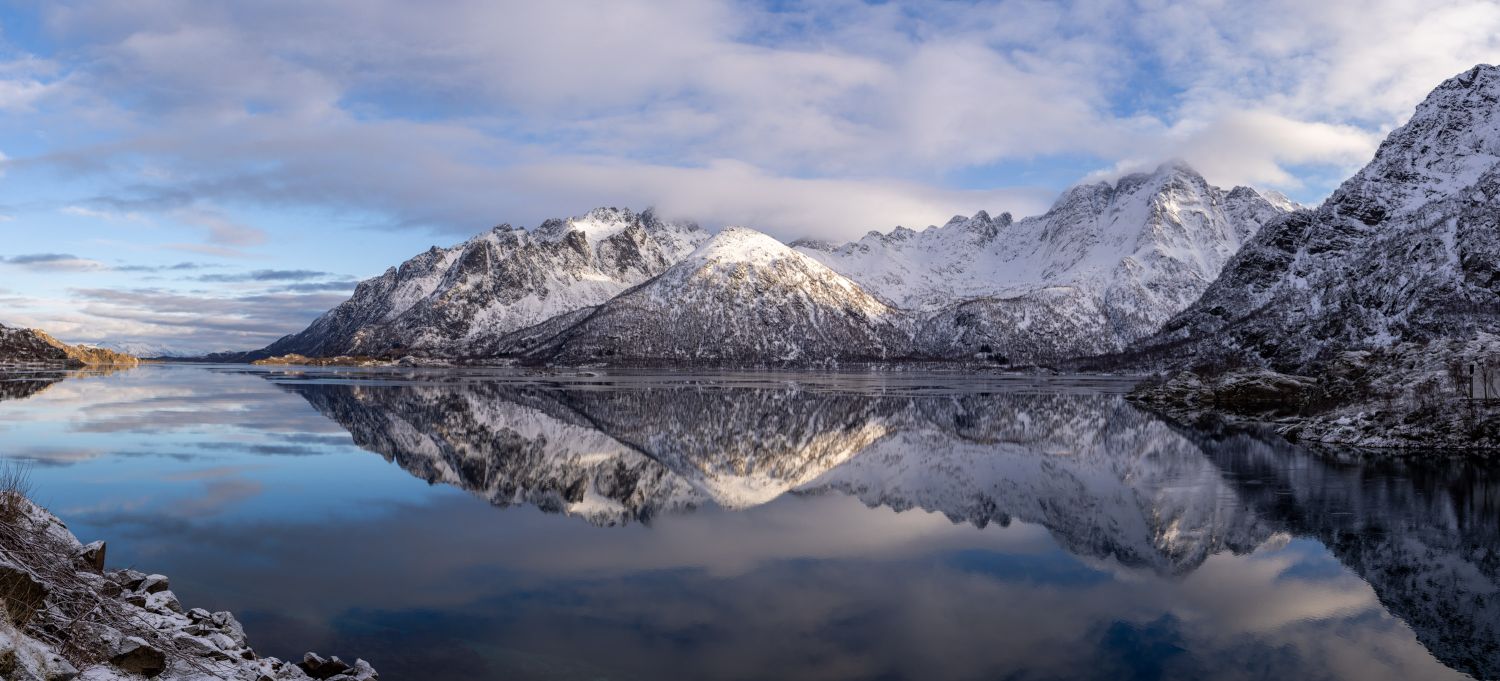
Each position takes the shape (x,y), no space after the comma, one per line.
(178,267)
(222,231)
(53,262)
(188,322)
(345,286)
(731,192)
(265,275)
(454,101)
(105,215)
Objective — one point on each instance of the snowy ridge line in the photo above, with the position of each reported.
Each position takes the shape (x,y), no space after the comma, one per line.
(1107,264)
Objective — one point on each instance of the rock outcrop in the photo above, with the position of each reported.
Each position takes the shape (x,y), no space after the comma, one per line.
(67,617)
(35,347)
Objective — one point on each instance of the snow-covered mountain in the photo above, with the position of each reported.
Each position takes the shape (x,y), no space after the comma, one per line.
(144,349)
(1383,298)
(1106,265)
(457,302)
(1405,250)
(741,297)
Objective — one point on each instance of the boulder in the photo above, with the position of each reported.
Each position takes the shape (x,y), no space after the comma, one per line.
(91,557)
(154,584)
(131,580)
(317,667)
(136,656)
(20,593)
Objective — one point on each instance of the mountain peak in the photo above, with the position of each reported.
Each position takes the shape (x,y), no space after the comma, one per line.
(742,244)
(1176,166)
(1451,140)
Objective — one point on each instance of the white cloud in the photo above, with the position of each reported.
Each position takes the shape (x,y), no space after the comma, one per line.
(105,215)
(830,118)
(730,192)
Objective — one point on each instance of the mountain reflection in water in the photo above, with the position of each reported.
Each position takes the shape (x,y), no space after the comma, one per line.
(718,539)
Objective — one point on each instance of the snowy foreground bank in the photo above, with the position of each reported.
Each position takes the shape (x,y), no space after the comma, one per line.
(65,617)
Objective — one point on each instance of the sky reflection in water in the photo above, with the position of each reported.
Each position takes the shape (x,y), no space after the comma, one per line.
(762,526)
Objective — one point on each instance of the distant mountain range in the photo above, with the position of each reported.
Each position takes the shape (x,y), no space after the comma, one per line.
(1105,266)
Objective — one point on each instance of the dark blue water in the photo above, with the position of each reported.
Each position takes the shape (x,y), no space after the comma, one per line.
(490,525)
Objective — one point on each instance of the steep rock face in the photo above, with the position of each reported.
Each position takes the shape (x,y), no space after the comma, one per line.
(1106,265)
(1407,250)
(741,297)
(458,302)
(33,346)
(25,346)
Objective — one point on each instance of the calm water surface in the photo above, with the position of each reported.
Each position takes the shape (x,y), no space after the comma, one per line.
(487,525)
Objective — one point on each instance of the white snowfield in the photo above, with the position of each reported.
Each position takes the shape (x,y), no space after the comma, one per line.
(1106,265)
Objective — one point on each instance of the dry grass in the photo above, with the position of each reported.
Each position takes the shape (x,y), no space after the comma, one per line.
(15,490)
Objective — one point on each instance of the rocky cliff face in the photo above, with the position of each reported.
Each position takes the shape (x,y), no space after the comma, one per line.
(1106,265)
(1387,294)
(1406,250)
(458,302)
(31,346)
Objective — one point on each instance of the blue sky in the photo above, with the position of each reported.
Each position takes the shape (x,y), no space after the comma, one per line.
(205,175)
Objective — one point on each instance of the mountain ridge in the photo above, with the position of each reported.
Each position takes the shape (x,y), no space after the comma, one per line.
(1111,261)
(1385,298)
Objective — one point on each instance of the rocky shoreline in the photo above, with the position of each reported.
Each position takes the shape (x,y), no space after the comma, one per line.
(66,617)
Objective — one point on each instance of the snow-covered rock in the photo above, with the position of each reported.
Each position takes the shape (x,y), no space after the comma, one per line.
(741,297)
(1402,261)
(1106,265)
(1406,250)
(65,617)
(457,302)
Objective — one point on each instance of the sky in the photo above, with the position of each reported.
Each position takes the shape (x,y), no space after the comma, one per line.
(203,175)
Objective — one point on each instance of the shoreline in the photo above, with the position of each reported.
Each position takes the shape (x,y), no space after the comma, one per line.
(65,616)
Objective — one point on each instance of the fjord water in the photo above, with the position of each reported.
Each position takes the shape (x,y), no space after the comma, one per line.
(468,524)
